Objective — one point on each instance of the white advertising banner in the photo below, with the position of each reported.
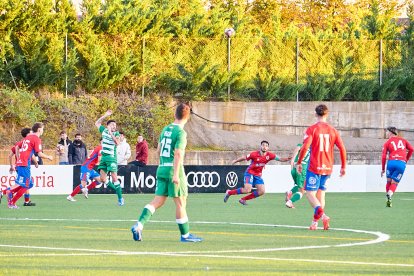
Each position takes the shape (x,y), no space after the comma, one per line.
(358,178)
(48,180)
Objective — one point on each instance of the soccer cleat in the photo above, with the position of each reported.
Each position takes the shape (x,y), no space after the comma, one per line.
(289,204)
(29,203)
(191,238)
(288,195)
(70,198)
(314,225)
(12,206)
(226,196)
(121,202)
(243,202)
(325,221)
(85,192)
(389,203)
(136,233)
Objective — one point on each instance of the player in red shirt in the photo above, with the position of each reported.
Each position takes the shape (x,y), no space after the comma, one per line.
(399,152)
(321,138)
(253,174)
(88,173)
(12,159)
(24,151)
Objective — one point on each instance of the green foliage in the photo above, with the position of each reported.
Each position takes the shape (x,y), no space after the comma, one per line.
(178,48)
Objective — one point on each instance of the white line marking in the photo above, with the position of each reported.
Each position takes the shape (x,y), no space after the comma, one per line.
(381,237)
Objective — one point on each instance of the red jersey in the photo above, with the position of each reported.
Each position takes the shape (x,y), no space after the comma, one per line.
(321,138)
(28,146)
(398,149)
(93,159)
(258,162)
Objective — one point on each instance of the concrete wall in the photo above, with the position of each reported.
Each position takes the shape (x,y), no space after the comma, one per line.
(355,119)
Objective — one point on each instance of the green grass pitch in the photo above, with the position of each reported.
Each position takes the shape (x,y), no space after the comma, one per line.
(92,237)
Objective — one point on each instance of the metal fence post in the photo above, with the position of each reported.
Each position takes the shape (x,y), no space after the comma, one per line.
(143,68)
(297,68)
(66,64)
(380,62)
(228,65)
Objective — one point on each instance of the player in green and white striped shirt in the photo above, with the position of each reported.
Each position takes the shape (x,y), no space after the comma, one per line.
(108,163)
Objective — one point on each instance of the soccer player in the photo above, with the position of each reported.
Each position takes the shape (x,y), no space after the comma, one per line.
(171,178)
(399,152)
(24,151)
(253,174)
(88,173)
(108,163)
(11,190)
(320,138)
(297,191)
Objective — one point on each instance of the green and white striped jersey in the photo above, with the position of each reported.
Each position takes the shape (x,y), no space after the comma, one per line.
(108,144)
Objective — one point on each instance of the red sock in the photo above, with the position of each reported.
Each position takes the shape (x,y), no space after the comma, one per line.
(18,195)
(26,198)
(233,192)
(393,187)
(318,213)
(251,196)
(387,187)
(75,191)
(92,185)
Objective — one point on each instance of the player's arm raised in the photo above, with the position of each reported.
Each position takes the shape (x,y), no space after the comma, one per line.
(98,122)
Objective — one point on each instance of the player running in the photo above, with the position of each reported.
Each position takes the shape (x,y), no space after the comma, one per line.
(24,151)
(320,138)
(171,178)
(297,191)
(88,173)
(108,163)
(253,174)
(399,152)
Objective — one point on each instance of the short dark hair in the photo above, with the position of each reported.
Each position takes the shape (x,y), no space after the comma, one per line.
(25,131)
(78,134)
(182,111)
(36,126)
(121,133)
(321,110)
(62,132)
(110,121)
(392,130)
(264,141)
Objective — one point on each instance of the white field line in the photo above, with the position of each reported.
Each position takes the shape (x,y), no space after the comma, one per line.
(381,237)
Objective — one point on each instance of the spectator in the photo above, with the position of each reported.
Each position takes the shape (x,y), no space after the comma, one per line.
(141,148)
(77,151)
(62,148)
(123,150)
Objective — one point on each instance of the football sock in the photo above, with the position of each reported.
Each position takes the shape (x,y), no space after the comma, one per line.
(183,225)
(26,197)
(295,189)
(76,191)
(393,187)
(118,189)
(92,185)
(18,195)
(251,196)
(318,213)
(235,192)
(146,214)
(296,196)
(111,186)
(387,187)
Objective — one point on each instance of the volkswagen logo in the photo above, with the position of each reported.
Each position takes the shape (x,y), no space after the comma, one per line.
(232,179)
(203,179)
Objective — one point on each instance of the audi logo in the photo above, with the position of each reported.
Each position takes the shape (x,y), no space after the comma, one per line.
(203,179)
(232,179)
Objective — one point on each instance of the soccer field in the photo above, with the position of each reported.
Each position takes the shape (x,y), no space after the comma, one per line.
(92,236)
